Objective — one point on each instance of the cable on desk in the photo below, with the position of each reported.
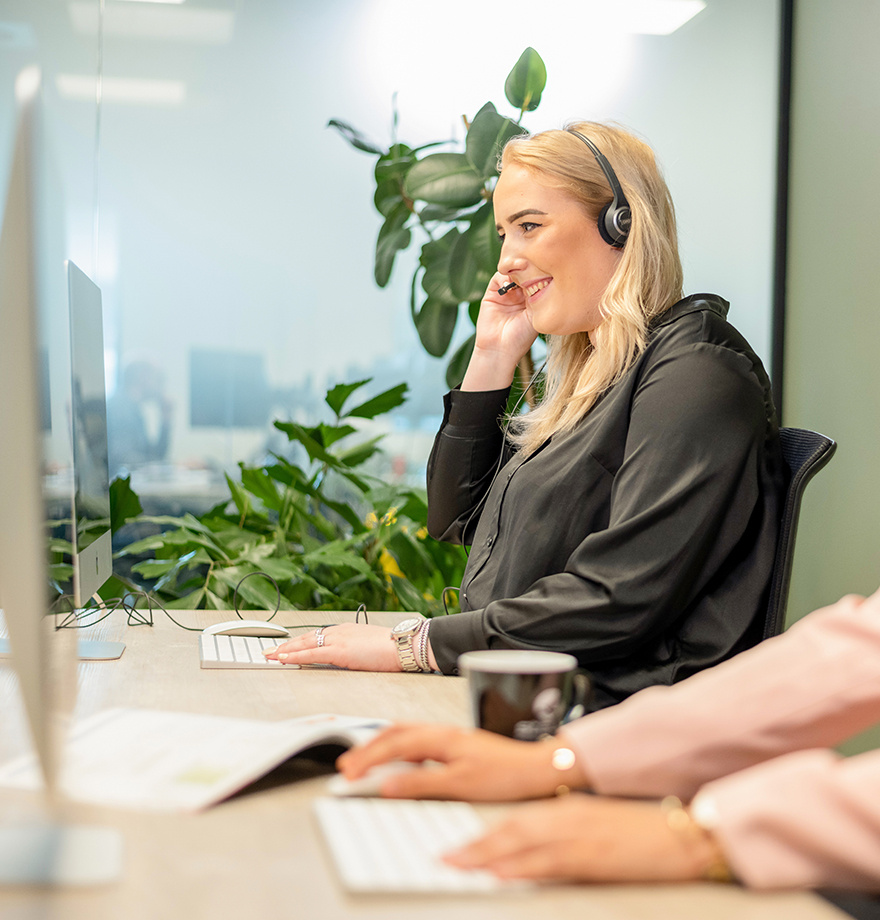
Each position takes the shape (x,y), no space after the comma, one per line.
(74,618)
(81,617)
(443,597)
(275,585)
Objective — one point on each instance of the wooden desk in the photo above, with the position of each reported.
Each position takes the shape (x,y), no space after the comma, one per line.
(260,854)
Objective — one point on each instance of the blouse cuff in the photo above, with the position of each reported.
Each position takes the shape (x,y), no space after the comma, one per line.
(467,411)
(456,633)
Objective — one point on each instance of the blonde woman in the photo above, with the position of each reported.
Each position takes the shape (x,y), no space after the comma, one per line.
(631,518)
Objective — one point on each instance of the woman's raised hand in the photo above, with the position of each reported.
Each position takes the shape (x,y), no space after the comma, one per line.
(504,334)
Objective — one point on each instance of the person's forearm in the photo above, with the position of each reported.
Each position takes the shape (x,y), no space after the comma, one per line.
(811,687)
(489,371)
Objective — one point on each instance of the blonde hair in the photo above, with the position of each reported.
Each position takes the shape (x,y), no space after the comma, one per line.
(646,282)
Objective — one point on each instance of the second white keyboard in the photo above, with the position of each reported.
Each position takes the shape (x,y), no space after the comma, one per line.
(395,845)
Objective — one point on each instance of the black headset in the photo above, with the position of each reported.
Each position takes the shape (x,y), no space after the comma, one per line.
(616,217)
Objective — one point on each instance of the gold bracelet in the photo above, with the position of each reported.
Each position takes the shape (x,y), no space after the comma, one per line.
(680,820)
(562,759)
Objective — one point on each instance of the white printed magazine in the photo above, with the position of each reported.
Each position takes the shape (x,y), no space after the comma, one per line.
(149,760)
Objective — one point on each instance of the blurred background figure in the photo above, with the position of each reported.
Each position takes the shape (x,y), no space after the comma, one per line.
(139,417)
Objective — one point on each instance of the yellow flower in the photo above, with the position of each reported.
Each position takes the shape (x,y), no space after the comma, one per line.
(389,565)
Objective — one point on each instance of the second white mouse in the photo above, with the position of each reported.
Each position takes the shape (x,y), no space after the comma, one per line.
(247,628)
(371,782)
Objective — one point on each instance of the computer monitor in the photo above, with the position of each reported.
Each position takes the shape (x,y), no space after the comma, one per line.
(42,850)
(91,539)
(93,553)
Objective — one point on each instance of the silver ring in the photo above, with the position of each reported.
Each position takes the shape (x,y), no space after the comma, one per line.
(319,636)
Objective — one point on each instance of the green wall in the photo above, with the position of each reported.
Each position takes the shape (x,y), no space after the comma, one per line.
(832,342)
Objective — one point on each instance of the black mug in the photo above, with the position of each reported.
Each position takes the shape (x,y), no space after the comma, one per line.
(523,693)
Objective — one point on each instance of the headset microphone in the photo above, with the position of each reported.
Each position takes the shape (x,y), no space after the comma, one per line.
(616,218)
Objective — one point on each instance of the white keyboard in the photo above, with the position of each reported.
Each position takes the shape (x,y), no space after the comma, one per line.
(394,845)
(238,652)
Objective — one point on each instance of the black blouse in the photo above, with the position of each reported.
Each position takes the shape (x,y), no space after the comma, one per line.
(641,541)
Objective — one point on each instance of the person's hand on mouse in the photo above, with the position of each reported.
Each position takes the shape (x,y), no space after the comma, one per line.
(470,765)
(355,646)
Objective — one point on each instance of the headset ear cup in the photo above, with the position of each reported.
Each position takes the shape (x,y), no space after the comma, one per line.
(614,225)
(603,224)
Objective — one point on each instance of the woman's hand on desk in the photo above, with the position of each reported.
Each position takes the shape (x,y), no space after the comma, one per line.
(349,645)
(472,765)
(590,839)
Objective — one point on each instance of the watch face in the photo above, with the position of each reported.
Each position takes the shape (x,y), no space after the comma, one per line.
(406,626)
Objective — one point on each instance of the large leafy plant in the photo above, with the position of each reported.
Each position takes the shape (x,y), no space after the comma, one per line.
(446,197)
(330,534)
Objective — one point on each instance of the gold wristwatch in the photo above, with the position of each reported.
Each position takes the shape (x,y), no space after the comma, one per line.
(403,635)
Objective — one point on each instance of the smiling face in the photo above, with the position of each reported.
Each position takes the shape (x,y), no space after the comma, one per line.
(552,249)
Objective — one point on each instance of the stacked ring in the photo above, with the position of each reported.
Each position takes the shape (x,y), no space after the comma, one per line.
(319,636)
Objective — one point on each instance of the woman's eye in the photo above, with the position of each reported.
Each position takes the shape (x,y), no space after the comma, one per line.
(527,225)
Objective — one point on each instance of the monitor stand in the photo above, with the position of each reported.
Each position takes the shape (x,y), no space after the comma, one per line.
(50,854)
(87,649)
(99,650)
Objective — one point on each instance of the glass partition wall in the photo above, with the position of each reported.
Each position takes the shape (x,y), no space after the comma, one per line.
(232,232)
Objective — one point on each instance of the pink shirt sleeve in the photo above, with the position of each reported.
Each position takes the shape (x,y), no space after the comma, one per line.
(805,820)
(813,686)
(786,815)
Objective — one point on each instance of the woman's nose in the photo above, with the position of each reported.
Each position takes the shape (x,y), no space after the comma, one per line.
(510,260)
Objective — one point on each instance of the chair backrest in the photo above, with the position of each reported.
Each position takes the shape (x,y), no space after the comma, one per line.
(805,452)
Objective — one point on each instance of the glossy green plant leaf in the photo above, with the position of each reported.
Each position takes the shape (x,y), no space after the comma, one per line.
(435,324)
(474,257)
(442,194)
(393,237)
(526,82)
(444,178)
(433,213)
(465,269)
(488,134)
(459,362)
(434,258)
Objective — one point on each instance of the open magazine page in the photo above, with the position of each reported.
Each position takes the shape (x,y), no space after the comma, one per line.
(174,761)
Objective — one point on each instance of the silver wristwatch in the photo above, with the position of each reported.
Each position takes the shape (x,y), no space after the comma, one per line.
(403,635)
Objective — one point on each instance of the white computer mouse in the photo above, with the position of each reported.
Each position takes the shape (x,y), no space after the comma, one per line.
(247,628)
(371,782)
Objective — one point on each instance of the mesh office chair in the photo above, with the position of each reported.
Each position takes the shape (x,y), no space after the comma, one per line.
(805,452)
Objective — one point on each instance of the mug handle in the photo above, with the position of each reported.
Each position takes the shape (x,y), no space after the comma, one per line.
(582,688)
